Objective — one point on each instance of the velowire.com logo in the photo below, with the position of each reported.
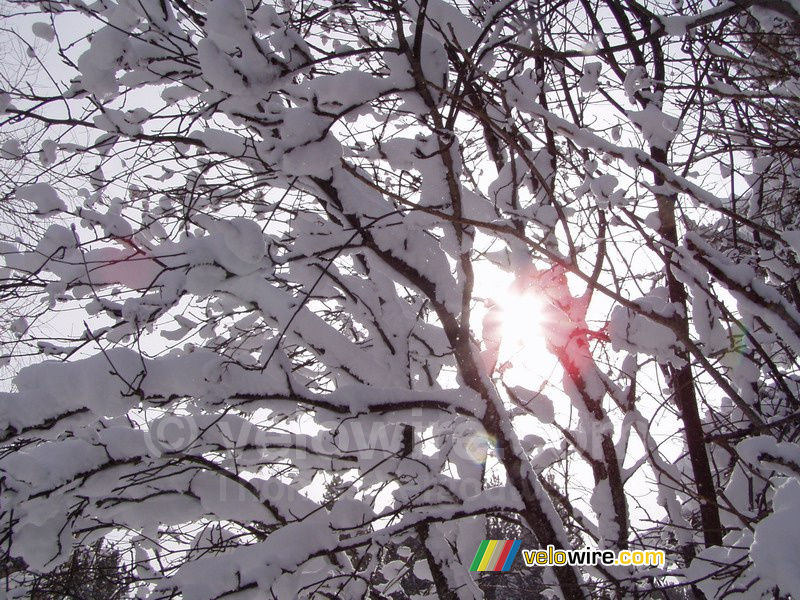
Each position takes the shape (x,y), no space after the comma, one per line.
(498,555)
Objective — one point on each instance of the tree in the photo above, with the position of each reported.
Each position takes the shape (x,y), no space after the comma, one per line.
(92,573)
(278,235)
(18,66)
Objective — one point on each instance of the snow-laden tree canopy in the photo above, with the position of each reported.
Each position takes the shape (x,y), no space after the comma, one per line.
(268,250)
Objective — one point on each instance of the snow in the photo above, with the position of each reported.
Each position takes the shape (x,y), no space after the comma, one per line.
(776,540)
(657,128)
(447,21)
(636,80)
(315,158)
(734,551)
(37,548)
(19,326)
(538,403)
(44,196)
(675,26)
(348,88)
(767,453)
(43,31)
(99,64)
(350,514)
(653,221)
(635,332)
(604,188)
(260,563)
(218,69)
(227,18)
(47,155)
(792,239)
(228,501)
(11,150)
(591,75)
(435,66)
(422,571)
(242,238)
(116,121)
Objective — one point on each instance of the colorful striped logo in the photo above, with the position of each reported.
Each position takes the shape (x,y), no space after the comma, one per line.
(495,555)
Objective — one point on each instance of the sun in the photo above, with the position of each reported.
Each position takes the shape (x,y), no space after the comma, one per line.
(521,321)
(514,329)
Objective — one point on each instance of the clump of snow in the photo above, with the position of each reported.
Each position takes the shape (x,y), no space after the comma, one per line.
(315,158)
(224,142)
(676,25)
(540,405)
(767,450)
(633,331)
(591,75)
(11,150)
(705,569)
(604,189)
(657,128)
(44,196)
(227,17)
(5,102)
(653,220)
(776,541)
(35,544)
(218,69)
(792,238)
(450,23)
(435,66)
(47,155)
(43,31)
(19,326)
(349,513)
(99,64)
(636,80)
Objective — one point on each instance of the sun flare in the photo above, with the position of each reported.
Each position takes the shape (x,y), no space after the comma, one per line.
(514,320)
(522,340)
